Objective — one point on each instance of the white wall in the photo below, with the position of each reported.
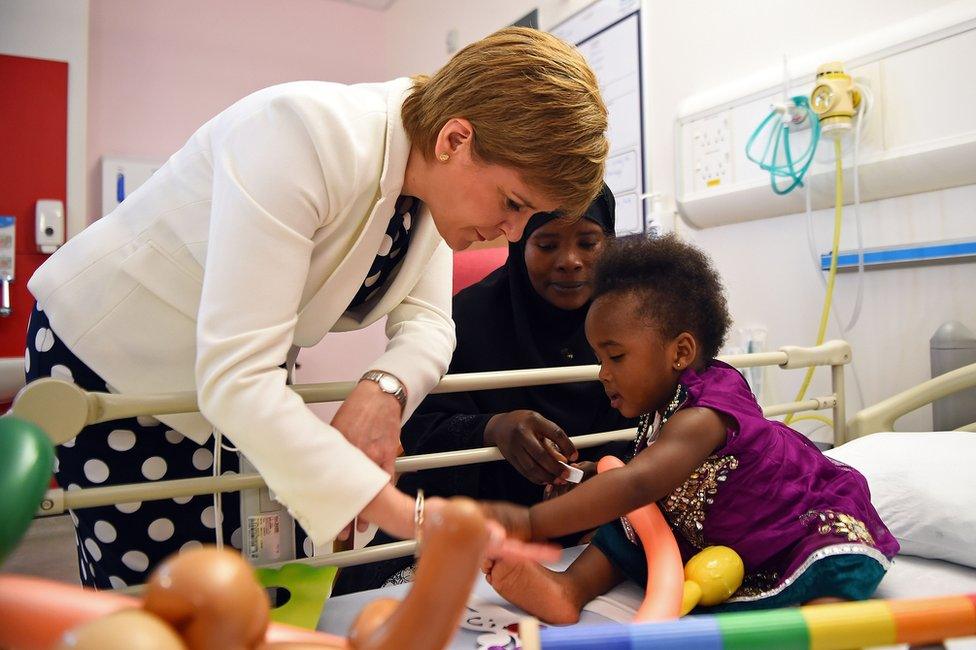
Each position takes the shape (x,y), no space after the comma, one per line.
(57,30)
(766,264)
(688,47)
(692,46)
(418,29)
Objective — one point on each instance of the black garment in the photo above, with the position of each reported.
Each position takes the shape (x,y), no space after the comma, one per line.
(503,324)
(120,545)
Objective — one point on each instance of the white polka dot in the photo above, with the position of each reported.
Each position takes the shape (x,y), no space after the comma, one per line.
(208,517)
(128,508)
(84,573)
(59,371)
(235,538)
(147,421)
(228,472)
(96,470)
(44,340)
(57,464)
(385,245)
(105,532)
(182,500)
(136,560)
(189,546)
(174,437)
(202,458)
(26,360)
(308,548)
(93,549)
(406,221)
(154,468)
(91,569)
(69,443)
(371,280)
(117,582)
(395,254)
(73,486)
(122,440)
(161,530)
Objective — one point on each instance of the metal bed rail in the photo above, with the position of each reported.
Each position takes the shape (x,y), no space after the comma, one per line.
(64,409)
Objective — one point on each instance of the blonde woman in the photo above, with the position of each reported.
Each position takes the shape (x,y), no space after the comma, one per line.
(303,209)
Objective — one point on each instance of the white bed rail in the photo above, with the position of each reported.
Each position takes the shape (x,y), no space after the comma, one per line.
(63,409)
(882,416)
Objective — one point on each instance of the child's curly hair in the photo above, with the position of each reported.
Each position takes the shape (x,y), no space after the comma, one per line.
(675,282)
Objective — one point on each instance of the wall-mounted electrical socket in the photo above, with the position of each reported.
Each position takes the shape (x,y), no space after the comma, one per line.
(711,147)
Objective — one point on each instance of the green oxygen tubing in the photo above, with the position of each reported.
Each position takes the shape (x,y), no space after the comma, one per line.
(778,157)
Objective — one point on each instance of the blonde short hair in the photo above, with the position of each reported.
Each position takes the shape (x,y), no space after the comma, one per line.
(535,106)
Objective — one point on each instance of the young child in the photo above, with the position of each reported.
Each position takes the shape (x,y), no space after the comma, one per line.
(721,473)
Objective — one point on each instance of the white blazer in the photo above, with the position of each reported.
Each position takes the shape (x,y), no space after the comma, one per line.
(253,238)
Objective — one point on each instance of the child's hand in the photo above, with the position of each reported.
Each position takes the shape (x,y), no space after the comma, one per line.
(513,519)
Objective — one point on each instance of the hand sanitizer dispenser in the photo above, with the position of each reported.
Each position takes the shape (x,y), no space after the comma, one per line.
(49,225)
(8,241)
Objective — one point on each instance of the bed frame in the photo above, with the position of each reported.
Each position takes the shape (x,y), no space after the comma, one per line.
(882,416)
(63,410)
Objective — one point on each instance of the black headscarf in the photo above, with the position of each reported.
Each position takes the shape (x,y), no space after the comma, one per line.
(503,324)
(539,334)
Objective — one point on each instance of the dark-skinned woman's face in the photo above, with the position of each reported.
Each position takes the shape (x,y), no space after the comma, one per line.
(560,256)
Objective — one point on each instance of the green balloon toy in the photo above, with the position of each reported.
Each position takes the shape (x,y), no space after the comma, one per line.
(26,464)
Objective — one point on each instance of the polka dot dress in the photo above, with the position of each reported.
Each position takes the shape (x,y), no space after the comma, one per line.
(391,252)
(119,545)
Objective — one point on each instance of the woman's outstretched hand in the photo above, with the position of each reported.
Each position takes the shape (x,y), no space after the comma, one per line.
(508,524)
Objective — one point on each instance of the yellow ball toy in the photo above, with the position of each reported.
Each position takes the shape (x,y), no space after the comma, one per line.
(711,577)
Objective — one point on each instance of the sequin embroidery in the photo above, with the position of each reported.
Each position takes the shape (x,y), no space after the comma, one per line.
(686,507)
(831,522)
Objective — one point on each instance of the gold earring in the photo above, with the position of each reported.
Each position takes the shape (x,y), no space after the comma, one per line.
(444,157)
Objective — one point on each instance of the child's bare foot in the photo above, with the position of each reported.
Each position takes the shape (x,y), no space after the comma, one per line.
(545,594)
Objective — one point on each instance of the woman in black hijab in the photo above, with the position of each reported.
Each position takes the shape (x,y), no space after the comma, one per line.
(529,313)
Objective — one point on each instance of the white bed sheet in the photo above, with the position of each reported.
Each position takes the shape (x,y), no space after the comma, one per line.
(909,577)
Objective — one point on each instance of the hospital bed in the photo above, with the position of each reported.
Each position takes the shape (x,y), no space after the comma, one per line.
(63,409)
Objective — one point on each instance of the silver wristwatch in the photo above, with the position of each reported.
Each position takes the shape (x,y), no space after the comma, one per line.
(388,384)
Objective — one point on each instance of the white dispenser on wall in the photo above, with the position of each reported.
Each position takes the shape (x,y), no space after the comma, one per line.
(49,225)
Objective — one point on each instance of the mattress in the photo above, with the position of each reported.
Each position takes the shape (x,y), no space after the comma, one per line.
(909,577)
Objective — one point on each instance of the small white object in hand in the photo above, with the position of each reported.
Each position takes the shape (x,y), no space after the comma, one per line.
(575,473)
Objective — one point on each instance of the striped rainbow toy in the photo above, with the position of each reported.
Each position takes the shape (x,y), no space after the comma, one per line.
(814,627)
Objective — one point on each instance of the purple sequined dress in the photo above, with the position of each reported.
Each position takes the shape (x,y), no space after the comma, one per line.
(769,493)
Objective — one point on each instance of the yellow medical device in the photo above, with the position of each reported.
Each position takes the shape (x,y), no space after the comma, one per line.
(834,98)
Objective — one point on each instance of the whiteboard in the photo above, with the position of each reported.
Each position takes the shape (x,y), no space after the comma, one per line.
(608,35)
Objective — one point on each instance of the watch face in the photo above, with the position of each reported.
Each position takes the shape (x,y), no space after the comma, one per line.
(389,384)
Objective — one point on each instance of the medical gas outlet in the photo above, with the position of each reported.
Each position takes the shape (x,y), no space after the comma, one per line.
(834,99)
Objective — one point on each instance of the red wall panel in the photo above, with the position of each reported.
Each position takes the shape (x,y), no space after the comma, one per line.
(33,165)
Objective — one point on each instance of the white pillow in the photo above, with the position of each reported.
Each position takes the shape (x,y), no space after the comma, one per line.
(924,487)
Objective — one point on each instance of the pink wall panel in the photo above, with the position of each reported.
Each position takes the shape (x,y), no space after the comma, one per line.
(158,70)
